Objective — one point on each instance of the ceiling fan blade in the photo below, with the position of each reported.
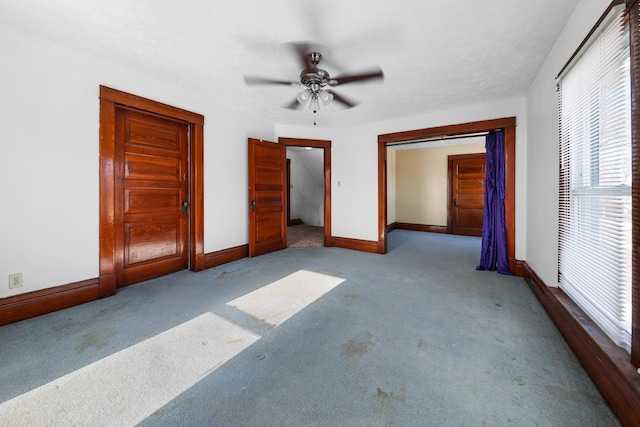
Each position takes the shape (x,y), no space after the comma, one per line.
(349,78)
(302,50)
(251,80)
(293,105)
(342,100)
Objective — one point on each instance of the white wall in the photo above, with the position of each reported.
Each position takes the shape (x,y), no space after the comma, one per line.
(49,105)
(421,182)
(355,163)
(542,137)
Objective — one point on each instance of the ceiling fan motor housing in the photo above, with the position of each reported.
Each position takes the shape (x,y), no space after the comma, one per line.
(314,78)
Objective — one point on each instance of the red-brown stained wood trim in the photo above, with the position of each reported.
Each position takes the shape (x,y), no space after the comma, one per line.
(449,130)
(196,149)
(36,303)
(634,18)
(382,196)
(214,259)
(356,244)
(519,270)
(420,227)
(510,192)
(607,364)
(133,101)
(107,195)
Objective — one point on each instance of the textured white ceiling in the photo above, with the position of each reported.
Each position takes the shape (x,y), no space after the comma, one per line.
(435,53)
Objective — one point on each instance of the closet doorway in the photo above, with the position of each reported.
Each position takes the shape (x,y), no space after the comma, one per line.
(316,148)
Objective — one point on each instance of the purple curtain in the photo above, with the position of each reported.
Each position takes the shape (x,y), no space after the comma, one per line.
(494,230)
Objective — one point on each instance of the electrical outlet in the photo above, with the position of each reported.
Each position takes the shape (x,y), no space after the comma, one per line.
(15,280)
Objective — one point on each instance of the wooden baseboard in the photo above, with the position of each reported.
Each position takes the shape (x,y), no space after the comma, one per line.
(421,227)
(32,304)
(608,365)
(214,259)
(355,244)
(392,226)
(519,267)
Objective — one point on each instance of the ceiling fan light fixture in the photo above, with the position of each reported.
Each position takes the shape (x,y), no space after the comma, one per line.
(325,97)
(303,96)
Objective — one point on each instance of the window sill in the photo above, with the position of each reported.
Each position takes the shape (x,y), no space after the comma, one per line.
(608,365)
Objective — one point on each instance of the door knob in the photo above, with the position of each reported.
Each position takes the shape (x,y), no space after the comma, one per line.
(253,205)
(185,206)
(455,202)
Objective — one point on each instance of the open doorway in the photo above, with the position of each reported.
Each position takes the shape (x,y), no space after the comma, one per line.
(305,197)
(509,126)
(434,186)
(308,192)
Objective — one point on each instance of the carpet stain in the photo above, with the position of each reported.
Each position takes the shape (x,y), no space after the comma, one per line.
(566,394)
(350,298)
(388,398)
(358,346)
(422,344)
(97,338)
(382,394)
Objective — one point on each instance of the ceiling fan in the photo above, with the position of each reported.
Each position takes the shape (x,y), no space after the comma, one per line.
(316,81)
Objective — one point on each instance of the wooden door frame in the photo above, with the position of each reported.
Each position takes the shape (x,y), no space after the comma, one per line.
(288,163)
(450,159)
(110,99)
(326,146)
(506,123)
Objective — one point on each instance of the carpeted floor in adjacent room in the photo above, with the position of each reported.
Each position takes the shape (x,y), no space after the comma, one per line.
(305,236)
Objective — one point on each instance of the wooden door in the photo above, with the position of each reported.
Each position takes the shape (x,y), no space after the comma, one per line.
(267,197)
(466,204)
(151,196)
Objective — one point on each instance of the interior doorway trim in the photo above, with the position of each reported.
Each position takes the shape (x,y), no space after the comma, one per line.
(506,123)
(110,99)
(326,145)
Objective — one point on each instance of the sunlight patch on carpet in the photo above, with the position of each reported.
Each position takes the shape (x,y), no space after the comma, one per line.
(138,380)
(278,301)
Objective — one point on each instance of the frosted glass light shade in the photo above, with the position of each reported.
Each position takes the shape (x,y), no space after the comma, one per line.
(303,96)
(325,97)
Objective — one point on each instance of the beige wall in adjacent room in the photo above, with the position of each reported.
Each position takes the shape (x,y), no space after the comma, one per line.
(421,182)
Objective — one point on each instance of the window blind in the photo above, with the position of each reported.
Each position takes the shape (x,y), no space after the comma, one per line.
(595,179)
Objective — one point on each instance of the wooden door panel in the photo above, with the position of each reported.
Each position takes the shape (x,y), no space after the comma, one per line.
(151,135)
(470,183)
(268,225)
(146,167)
(469,217)
(466,167)
(147,241)
(267,196)
(153,234)
(467,198)
(150,200)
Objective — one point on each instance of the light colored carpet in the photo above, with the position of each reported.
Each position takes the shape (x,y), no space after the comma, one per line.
(320,337)
(305,236)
